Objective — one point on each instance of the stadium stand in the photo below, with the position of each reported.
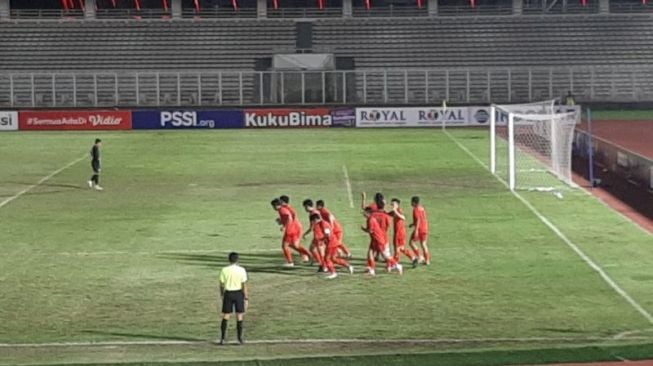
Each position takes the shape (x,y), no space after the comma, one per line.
(460,59)
(140,45)
(491,41)
(374,43)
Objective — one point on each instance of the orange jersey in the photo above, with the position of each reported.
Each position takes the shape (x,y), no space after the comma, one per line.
(326,216)
(325,213)
(285,216)
(322,232)
(292,211)
(420,219)
(377,234)
(373,206)
(292,225)
(384,220)
(399,225)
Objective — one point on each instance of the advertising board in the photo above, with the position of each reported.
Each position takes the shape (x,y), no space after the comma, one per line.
(75,120)
(8,121)
(183,119)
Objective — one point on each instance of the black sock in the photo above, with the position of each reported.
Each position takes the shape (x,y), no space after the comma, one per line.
(95,179)
(223,329)
(239,327)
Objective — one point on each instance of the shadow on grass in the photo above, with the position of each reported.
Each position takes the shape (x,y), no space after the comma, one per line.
(261,263)
(48,184)
(253,262)
(143,336)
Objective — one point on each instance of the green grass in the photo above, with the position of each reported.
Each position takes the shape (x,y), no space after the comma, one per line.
(622,115)
(139,261)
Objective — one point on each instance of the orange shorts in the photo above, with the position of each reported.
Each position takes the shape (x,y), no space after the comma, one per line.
(338,234)
(383,249)
(421,236)
(399,240)
(290,237)
(332,250)
(379,247)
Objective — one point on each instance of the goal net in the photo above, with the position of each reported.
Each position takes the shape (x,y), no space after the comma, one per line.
(531,145)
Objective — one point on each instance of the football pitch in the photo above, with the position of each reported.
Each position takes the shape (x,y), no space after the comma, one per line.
(129,274)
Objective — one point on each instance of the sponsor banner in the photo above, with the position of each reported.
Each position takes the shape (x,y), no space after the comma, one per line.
(479,116)
(8,121)
(502,117)
(412,117)
(343,117)
(288,118)
(75,120)
(178,119)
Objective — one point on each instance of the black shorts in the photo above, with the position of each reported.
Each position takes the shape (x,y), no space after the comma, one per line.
(233,301)
(96,166)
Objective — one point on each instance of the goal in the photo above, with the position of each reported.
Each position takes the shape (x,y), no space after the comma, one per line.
(531,145)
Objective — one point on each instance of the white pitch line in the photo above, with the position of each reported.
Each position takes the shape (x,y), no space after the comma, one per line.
(629,333)
(314,341)
(565,239)
(17,195)
(348,184)
(43,180)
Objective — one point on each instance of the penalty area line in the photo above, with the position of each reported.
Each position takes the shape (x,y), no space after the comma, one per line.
(348,185)
(317,341)
(41,181)
(564,238)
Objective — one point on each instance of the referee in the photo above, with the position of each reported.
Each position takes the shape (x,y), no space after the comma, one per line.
(95,165)
(233,290)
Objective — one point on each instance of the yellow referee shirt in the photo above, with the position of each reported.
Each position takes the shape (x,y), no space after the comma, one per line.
(232,277)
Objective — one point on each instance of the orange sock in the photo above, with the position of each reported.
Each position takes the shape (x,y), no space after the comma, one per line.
(341,262)
(329,266)
(391,262)
(300,248)
(345,250)
(317,256)
(403,250)
(370,263)
(408,253)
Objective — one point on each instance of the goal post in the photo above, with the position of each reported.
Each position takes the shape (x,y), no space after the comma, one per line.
(531,145)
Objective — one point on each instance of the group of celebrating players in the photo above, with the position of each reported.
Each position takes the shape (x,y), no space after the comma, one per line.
(327,247)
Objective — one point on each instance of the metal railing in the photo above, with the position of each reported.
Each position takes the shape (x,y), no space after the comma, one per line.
(389,12)
(560,8)
(133,14)
(630,8)
(304,13)
(18,14)
(498,9)
(220,13)
(528,8)
(361,87)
